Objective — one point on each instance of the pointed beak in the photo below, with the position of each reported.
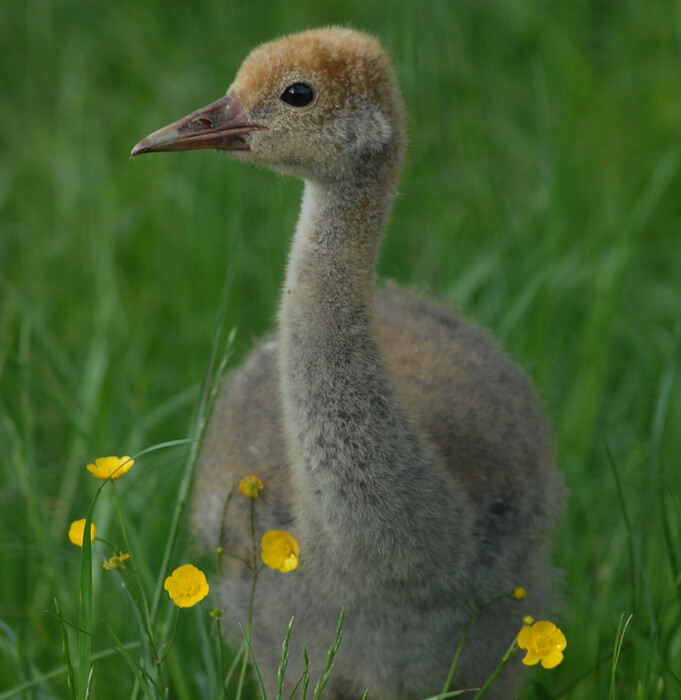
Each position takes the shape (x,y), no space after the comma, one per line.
(221,125)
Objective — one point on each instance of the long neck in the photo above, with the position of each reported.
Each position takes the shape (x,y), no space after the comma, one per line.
(364,478)
(330,276)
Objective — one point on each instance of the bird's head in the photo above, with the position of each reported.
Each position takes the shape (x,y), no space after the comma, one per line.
(321,104)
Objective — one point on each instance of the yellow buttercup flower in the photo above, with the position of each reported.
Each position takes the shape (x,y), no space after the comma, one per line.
(186,586)
(251,486)
(543,642)
(519,593)
(113,467)
(280,550)
(77,532)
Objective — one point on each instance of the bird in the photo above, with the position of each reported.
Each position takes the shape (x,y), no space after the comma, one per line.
(401,447)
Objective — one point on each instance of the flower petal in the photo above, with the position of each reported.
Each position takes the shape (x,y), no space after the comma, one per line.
(531,658)
(558,638)
(543,628)
(552,659)
(525,637)
(288,563)
(77,532)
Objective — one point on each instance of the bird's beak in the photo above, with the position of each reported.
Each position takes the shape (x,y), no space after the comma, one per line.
(221,125)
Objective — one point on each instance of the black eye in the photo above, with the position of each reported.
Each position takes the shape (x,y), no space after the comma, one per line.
(298,95)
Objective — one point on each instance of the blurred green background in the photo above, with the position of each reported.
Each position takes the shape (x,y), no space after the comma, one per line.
(540,195)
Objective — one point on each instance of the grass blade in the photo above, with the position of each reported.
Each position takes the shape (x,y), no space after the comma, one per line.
(85,604)
(261,684)
(70,678)
(61,670)
(330,657)
(627,523)
(198,428)
(619,639)
(140,674)
(85,608)
(284,661)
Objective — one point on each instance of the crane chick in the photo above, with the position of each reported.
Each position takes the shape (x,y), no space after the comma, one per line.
(401,447)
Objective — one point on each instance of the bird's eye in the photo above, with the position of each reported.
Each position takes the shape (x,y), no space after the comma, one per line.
(298,95)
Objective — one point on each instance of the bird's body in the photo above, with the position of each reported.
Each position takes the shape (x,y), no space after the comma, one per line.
(399,445)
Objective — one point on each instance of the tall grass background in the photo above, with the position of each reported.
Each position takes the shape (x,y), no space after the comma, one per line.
(540,196)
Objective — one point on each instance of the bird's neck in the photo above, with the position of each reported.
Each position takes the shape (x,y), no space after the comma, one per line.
(331,270)
(351,444)
(334,251)
(326,317)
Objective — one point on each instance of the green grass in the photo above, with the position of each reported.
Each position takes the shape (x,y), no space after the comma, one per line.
(541,195)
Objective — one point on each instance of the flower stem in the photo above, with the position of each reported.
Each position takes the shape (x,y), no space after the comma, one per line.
(255,571)
(457,654)
(249,626)
(223,527)
(510,653)
(142,606)
(221,665)
(467,629)
(169,644)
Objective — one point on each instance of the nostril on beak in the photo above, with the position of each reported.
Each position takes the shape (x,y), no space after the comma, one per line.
(202,121)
